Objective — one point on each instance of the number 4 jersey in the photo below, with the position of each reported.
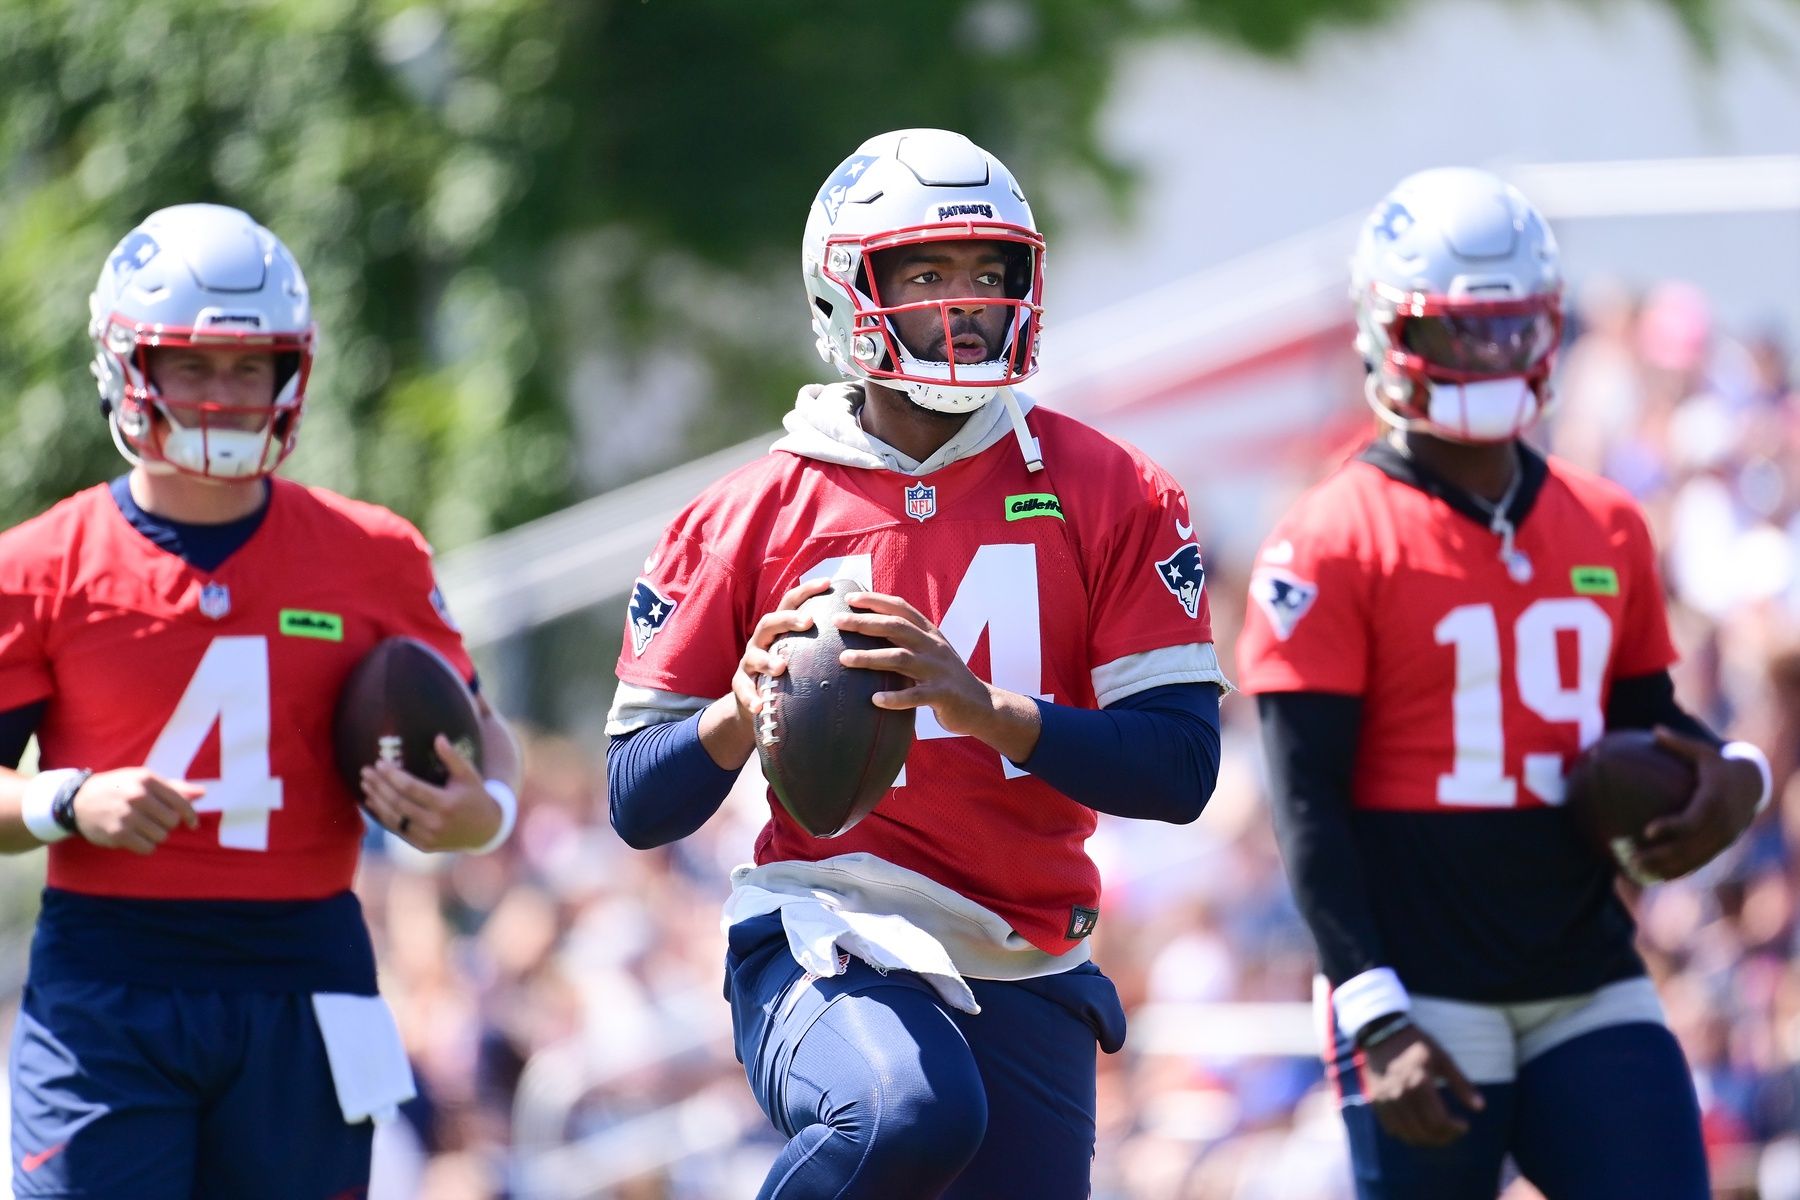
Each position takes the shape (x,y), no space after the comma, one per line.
(227,678)
(1481,675)
(1079,584)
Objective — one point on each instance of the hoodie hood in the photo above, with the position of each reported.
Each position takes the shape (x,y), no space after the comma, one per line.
(822,425)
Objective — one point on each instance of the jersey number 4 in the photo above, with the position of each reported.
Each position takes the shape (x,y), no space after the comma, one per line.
(230,689)
(1478,778)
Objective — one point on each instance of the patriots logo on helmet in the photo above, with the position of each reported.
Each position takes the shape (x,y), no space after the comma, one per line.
(650,611)
(133,254)
(1393,220)
(1183,575)
(839,185)
(1284,597)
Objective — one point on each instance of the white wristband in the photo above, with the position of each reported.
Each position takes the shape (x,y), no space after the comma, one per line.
(509,815)
(1362,998)
(1750,753)
(40,793)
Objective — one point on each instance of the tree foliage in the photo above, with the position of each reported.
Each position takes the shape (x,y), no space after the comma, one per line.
(519,218)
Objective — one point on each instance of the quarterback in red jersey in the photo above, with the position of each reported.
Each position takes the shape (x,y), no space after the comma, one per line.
(914,1001)
(1435,632)
(176,641)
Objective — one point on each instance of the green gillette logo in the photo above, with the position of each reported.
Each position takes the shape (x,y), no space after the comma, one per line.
(297,622)
(1594,581)
(1033,504)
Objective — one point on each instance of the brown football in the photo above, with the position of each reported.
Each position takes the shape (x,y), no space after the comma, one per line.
(826,750)
(398,698)
(1620,784)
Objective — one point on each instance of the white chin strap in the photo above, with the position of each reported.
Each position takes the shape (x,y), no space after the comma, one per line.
(220,453)
(1489,410)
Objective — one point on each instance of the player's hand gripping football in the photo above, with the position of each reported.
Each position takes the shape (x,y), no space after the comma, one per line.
(458,816)
(1724,803)
(941,680)
(759,660)
(134,808)
(1404,1071)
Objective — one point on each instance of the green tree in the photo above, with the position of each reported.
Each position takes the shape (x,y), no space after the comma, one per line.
(516,215)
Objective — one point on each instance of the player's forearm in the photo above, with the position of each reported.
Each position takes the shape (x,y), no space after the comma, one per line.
(500,757)
(1153,756)
(1309,741)
(662,783)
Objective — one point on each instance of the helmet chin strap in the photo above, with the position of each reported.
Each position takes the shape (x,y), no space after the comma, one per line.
(1488,410)
(1028,445)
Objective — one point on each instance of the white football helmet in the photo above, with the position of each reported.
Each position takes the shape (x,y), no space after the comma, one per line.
(900,189)
(199,275)
(1458,296)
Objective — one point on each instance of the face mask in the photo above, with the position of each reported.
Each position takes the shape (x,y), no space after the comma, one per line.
(1491,410)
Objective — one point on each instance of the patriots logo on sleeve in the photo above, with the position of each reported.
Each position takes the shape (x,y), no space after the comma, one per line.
(1284,597)
(650,611)
(1183,575)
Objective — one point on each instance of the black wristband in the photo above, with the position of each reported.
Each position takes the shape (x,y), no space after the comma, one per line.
(62,805)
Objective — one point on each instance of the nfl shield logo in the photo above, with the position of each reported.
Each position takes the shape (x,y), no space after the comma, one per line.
(215,601)
(921,501)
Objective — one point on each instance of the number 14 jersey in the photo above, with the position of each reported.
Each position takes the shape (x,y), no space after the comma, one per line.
(1079,584)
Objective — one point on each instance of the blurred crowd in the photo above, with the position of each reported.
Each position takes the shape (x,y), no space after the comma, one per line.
(561,998)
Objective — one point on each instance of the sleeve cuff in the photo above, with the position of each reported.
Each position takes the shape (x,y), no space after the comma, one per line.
(1363,998)
(1750,753)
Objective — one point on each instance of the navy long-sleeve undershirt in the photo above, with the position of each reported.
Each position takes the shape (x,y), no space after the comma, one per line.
(1151,756)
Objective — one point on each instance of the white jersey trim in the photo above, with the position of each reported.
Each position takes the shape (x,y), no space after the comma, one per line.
(635,708)
(1195,662)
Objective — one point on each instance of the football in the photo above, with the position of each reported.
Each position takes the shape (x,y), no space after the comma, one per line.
(1620,784)
(826,750)
(398,698)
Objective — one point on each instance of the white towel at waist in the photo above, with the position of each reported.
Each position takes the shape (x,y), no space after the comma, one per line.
(892,919)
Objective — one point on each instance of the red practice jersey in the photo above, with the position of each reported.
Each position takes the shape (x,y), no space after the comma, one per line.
(226,678)
(1478,686)
(1035,579)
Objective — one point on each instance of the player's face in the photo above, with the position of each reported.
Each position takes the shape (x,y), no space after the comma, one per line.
(234,385)
(969,273)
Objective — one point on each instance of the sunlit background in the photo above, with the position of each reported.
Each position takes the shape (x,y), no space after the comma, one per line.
(554,252)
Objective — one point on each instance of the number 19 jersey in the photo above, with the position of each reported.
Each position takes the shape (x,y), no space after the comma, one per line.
(1481,676)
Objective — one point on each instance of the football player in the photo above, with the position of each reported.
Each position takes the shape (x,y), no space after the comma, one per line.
(1435,631)
(914,1001)
(201,1018)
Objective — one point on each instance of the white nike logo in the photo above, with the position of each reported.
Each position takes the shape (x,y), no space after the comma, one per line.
(1280,552)
(1183,529)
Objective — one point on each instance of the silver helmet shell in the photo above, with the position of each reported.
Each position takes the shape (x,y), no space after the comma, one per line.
(199,275)
(1458,292)
(904,188)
